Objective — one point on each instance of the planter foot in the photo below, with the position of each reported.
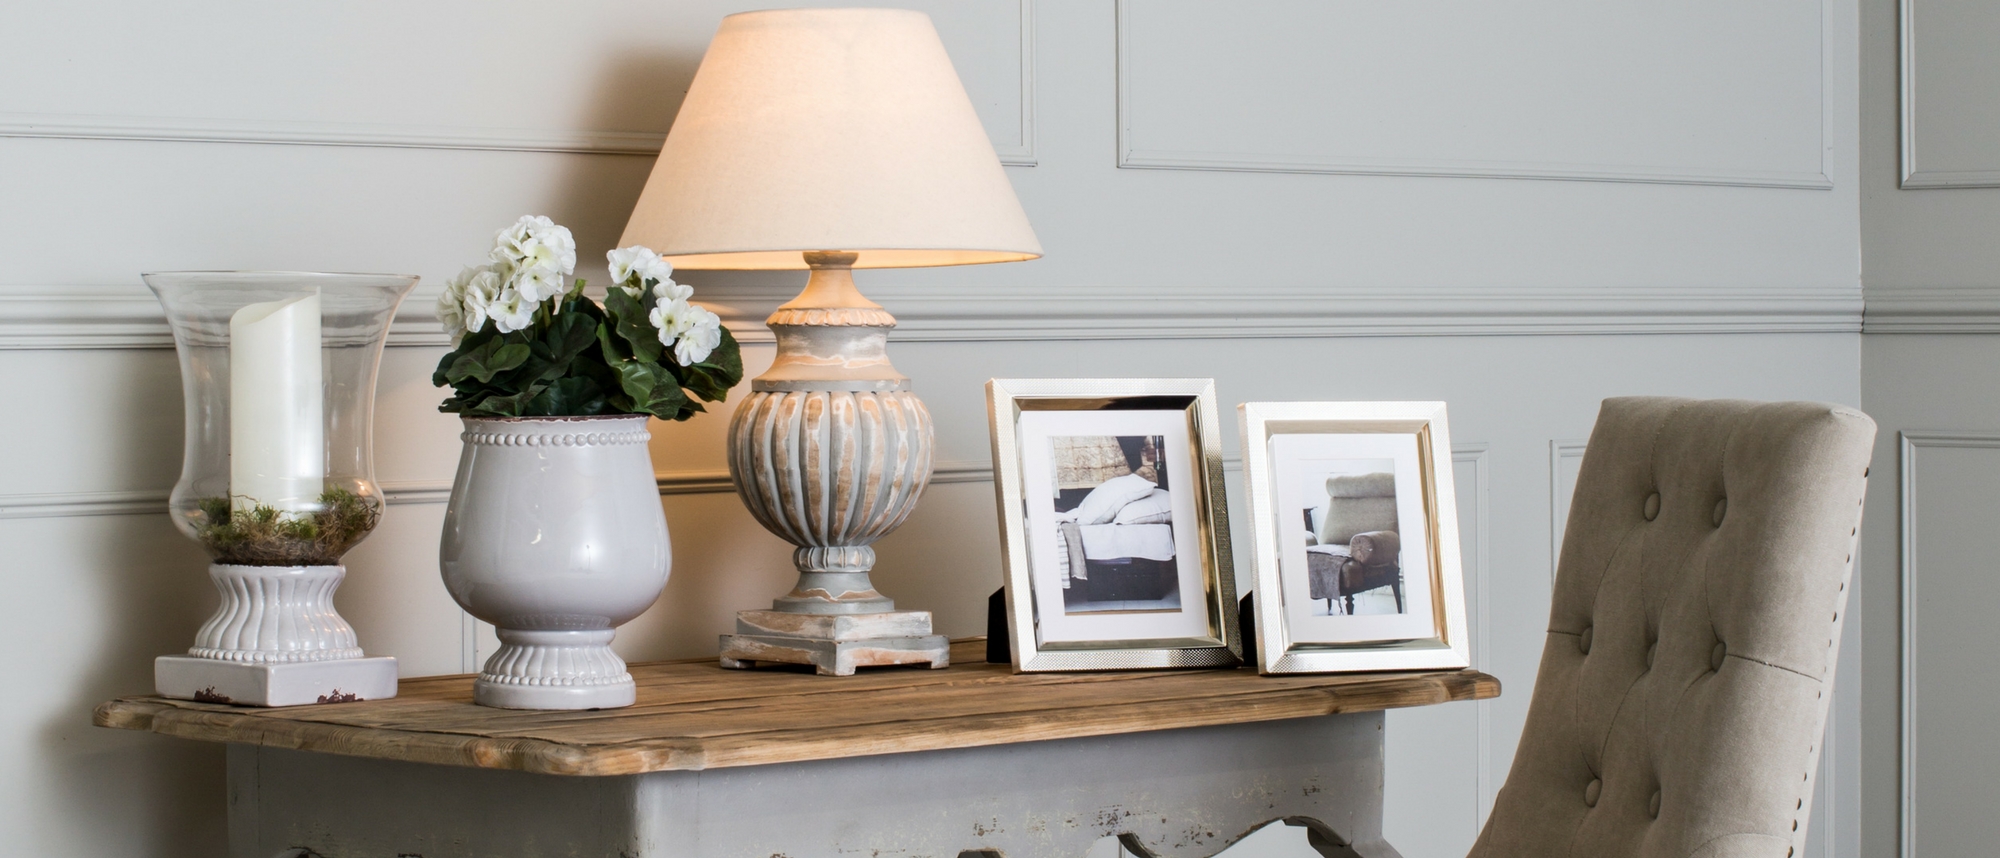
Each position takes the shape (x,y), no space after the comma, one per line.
(609,696)
(209,680)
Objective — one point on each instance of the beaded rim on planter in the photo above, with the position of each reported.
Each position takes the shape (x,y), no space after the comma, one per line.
(578,439)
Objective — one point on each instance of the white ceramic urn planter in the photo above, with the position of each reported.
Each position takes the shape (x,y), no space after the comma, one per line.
(555,536)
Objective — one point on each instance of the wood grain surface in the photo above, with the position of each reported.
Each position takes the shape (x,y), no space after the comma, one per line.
(695,715)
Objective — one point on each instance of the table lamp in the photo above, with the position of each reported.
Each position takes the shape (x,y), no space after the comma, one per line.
(830,139)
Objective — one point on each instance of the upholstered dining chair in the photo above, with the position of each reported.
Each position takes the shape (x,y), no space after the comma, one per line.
(1684,682)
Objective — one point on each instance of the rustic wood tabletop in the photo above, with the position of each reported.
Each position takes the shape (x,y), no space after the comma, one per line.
(695,715)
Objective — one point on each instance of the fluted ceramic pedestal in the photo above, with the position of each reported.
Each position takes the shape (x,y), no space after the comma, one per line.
(831,452)
(275,640)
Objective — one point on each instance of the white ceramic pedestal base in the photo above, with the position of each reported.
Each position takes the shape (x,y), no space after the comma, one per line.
(554,670)
(275,640)
(210,680)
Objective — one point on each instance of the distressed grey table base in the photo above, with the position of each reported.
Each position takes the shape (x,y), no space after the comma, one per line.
(1186,793)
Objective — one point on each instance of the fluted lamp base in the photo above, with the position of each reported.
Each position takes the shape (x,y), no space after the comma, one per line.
(830,452)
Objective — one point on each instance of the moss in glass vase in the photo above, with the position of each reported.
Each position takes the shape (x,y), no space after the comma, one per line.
(265,536)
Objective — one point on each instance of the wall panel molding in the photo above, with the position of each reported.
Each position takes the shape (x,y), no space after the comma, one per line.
(1019,152)
(1134,154)
(1475,454)
(1915,176)
(1909,442)
(394,492)
(1564,457)
(83,317)
(1934,310)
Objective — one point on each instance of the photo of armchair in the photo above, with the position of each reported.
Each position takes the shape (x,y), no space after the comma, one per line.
(1353,546)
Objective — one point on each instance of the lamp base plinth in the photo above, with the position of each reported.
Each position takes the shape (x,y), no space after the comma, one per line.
(835,644)
(211,680)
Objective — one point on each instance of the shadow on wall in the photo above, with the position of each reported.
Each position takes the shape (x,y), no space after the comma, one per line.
(636,91)
(149,585)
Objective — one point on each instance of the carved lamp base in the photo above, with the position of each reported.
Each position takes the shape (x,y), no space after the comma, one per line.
(275,641)
(830,452)
(835,644)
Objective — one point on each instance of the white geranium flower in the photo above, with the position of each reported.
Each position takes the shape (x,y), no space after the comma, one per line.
(623,262)
(511,310)
(667,316)
(669,292)
(632,267)
(657,269)
(451,310)
(692,331)
(462,307)
(539,253)
(538,284)
(702,336)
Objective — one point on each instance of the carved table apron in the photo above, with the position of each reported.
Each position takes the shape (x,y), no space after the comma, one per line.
(893,763)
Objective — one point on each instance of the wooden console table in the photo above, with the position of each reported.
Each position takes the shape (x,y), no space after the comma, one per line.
(894,762)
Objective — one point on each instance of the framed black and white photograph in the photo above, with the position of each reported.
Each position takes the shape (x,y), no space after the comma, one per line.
(1112,522)
(1354,535)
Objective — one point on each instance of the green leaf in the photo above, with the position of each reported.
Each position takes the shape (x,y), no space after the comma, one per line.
(614,347)
(570,333)
(491,358)
(654,390)
(574,396)
(628,316)
(505,406)
(472,342)
(723,369)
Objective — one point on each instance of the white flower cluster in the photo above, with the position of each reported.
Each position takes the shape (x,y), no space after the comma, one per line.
(632,266)
(692,332)
(531,263)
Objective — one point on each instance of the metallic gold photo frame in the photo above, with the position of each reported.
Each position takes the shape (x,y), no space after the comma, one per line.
(1220,645)
(1280,648)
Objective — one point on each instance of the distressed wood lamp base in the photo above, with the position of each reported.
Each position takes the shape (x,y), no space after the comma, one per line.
(835,644)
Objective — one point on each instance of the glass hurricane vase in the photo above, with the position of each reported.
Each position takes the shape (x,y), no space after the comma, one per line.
(277,475)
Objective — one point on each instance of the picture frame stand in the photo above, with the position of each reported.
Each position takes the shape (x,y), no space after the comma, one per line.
(835,644)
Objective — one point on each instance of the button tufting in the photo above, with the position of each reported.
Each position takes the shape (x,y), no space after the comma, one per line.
(1715,656)
(1590,792)
(1653,810)
(1652,506)
(1721,507)
(1583,640)
(1650,652)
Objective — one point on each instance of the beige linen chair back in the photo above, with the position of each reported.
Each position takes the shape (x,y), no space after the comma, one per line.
(1683,685)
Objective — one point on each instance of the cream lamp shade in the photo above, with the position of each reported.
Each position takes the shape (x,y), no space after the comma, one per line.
(828,130)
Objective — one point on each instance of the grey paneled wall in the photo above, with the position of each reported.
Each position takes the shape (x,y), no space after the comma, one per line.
(1562,90)
(1930,184)
(225,135)
(1950,118)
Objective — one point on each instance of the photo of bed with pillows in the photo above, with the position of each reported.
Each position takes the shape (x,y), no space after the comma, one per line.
(1114,525)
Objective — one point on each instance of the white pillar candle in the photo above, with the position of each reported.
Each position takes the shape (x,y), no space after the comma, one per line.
(277,439)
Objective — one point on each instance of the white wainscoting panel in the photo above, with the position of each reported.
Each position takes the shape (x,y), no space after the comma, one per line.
(1950,489)
(1714,92)
(1439,780)
(1565,457)
(326,75)
(1950,69)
